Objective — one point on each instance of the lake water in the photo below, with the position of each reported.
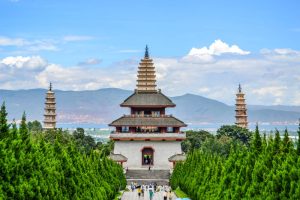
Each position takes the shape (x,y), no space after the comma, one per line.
(101,131)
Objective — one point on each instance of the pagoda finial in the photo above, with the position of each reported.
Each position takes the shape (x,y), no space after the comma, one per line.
(50,86)
(146,52)
(240,88)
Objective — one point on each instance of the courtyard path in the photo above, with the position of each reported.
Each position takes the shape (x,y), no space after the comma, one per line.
(129,195)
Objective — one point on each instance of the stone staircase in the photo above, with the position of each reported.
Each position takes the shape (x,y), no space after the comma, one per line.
(160,177)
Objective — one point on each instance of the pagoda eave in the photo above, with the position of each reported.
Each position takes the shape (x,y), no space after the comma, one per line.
(147,106)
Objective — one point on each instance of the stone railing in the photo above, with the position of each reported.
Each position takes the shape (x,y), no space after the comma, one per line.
(180,135)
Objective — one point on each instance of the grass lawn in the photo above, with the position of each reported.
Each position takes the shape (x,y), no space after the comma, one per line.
(180,194)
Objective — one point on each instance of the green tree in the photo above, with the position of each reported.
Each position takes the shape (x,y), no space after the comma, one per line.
(194,140)
(24,132)
(257,143)
(235,132)
(4,127)
(34,126)
(298,142)
(286,143)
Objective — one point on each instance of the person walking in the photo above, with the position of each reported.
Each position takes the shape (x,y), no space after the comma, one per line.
(139,191)
(151,193)
(165,195)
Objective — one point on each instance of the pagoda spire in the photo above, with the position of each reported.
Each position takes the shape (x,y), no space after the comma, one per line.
(50,110)
(146,52)
(240,109)
(146,81)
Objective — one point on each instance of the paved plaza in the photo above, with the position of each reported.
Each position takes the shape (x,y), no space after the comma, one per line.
(129,195)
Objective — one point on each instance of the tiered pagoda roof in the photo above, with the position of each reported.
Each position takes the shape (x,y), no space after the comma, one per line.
(153,99)
(148,121)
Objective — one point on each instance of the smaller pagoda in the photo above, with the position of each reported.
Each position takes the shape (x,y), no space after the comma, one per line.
(50,114)
(241,109)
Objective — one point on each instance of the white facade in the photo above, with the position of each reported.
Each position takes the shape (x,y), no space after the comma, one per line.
(133,151)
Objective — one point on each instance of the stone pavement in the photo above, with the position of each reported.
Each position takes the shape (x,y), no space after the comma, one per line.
(129,195)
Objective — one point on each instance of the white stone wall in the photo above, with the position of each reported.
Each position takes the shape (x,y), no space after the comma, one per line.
(133,151)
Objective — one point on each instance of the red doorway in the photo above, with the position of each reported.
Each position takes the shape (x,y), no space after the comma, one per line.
(147,156)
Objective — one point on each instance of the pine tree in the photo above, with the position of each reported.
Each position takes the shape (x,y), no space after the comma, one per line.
(4,127)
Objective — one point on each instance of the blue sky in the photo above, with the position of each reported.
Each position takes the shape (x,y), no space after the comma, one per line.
(111,35)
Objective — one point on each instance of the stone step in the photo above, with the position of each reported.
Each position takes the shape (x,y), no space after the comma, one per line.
(148,174)
(148,181)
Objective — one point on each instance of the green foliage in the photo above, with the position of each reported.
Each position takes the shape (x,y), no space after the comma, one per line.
(298,142)
(4,127)
(35,126)
(194,140)
(257,142)
(264,170)
(180,194)
(50,165)
(235,132)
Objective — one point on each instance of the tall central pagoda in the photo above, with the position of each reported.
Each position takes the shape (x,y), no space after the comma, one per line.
(147,136)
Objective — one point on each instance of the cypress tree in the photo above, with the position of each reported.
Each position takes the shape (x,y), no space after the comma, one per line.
(14,130)
(257,143)
(276,143)
(4,127)
(286,141)
(298,143)
(23,128)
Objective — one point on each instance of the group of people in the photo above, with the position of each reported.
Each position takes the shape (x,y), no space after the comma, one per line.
(150,189)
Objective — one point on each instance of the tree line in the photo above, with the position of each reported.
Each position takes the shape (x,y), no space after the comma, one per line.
(54,164)
(238,164)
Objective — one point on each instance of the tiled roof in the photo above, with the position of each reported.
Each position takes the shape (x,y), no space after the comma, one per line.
(177,157)
(148,121)
(148,99)
(118,157)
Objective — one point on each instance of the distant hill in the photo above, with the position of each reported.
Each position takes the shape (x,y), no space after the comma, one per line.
(102,106)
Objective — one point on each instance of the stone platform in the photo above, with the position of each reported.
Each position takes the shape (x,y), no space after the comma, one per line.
(160,177)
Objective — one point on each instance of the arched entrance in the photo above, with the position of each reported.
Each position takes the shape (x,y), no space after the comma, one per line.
(147,156)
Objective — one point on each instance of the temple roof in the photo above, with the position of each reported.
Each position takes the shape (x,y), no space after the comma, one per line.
(177,157)
(156,99)
(162,121)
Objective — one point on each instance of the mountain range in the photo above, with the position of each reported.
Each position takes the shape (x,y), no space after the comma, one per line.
(102,106)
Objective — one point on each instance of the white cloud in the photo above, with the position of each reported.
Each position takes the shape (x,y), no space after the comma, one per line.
(217,48)
(5,41)
(19,62)
(265,80)
(281,54)
(74,38)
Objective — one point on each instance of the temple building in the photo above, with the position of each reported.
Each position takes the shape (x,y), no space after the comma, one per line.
(147,136)
(50,114)
(240,109)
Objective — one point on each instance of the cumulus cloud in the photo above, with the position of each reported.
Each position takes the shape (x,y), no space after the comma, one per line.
(20,62)
(264,79)
(217,48)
